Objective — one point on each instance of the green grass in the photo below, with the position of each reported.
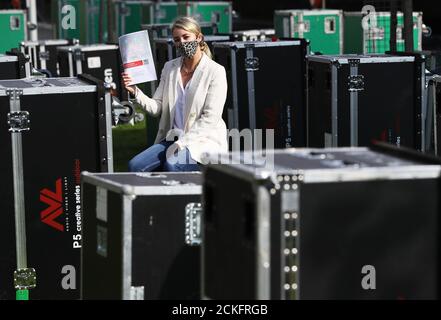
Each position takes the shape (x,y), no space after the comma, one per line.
(128,141)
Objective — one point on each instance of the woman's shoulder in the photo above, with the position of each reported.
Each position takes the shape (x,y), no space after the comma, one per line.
(214,65)
(169,64)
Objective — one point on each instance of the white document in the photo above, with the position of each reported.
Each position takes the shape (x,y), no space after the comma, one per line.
(137,58)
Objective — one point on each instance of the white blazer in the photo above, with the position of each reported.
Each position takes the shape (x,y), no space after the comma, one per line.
(204,131)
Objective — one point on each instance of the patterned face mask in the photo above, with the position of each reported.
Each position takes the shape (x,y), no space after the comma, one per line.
(188,49)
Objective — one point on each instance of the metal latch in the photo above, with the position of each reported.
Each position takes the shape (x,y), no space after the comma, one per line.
(25,279)
(215,16)
(197,17)
(150,175)
(45,55)
(78,55)
(172,183)
(193,221)
(353,62)
(252,64)
(125,11)
(161,14)
(137,293)
(303,26)
(356,83)
(18,121)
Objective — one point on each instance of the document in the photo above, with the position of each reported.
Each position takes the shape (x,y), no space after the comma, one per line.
(137,58)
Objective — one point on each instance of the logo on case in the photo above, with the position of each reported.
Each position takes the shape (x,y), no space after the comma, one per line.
(54,200)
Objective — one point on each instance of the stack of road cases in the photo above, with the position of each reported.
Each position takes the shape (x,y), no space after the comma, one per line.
(323,28)
(102,61)
(267,88)
(347,223)
(141,236)
(43,54)
(14,65)
(50,131)
(354,100)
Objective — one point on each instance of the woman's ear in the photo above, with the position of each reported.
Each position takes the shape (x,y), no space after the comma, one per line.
(200,37)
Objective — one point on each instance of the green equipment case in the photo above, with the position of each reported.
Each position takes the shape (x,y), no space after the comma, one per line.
(376,39)
(165,12)
(131,15)
(209,11)
(90,25)
(13,27)
(66,19)
(323,28)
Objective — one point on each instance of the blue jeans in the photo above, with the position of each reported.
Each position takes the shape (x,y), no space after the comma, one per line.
(154,159)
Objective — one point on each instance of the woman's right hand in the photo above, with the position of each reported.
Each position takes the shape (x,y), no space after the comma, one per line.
(127,80)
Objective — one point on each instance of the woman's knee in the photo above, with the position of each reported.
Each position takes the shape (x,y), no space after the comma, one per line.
(148,160)
(135,165)
(171,165)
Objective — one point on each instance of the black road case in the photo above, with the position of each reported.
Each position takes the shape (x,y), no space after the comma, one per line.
(102,61)
(313,223)
(356,99)
(14,65)
(433,119)
(43,54)
(57,128)
(266,88)
(141,236)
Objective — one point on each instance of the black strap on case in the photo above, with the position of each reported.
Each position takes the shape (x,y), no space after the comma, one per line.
(102,123)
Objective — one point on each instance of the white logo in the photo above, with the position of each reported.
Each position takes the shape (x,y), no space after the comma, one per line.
(69,280)
(370,17)
(69,20)
(108,78)
(368,282)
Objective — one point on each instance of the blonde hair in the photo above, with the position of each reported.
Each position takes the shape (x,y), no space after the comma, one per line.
(190,24)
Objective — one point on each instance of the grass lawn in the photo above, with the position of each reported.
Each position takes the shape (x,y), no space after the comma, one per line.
(128,141)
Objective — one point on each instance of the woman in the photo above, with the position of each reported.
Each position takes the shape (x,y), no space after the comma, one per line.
(189,99)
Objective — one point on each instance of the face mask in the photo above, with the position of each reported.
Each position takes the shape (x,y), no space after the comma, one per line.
(188,49)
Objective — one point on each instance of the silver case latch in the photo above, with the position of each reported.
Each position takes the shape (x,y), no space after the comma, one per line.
(193,224)
(137,293)
(25,279)
(252,64)
(356,83)
(18,121)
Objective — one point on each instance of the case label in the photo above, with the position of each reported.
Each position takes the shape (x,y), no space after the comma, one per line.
(101,204)
(94,62)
